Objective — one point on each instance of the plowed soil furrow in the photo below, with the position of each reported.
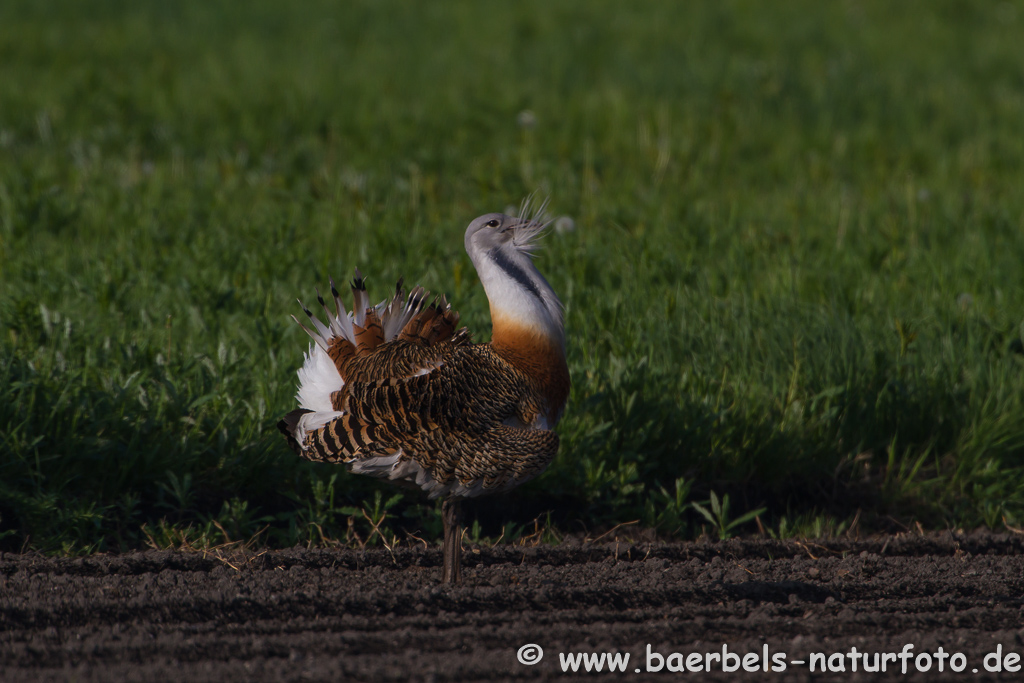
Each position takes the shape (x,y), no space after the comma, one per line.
(370,615)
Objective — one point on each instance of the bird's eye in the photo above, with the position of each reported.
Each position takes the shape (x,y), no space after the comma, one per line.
(493,223)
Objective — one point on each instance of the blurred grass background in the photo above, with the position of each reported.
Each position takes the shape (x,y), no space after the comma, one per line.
(794,278)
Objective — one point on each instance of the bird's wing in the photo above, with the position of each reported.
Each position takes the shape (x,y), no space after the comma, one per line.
(451,418)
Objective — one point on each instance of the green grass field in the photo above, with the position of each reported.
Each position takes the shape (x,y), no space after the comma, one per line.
(795,277)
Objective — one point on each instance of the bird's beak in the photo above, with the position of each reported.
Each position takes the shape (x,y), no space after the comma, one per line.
(515,226)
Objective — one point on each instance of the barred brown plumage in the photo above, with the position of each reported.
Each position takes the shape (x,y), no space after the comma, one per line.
(396,391)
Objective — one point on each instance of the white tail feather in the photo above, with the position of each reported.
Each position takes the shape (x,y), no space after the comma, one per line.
(318,379)
(360,300)
(410,307)
(377,466)
(320,341)
(310,422)
(332,321)
(342,316)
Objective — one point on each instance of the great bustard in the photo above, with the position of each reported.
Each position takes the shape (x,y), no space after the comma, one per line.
(396,392)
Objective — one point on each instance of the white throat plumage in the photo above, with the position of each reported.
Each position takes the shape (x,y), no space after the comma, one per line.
(518,293)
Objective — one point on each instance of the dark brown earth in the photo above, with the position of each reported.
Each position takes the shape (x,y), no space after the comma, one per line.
(332,615)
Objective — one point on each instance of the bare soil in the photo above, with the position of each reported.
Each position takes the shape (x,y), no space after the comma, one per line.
(332,615)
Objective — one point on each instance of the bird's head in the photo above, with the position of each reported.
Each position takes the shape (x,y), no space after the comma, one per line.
(510,236)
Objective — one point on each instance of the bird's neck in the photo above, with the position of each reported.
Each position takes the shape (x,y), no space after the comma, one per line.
(527,325)
(536,355)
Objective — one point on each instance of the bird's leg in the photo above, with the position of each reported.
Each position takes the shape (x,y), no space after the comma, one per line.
(451,512)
